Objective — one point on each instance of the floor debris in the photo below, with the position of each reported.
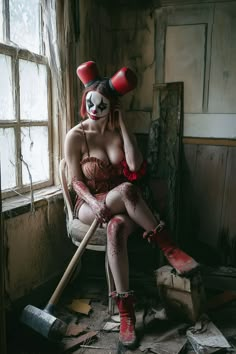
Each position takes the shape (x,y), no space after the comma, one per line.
(205,337)
(111,326)
(80,305)
(68,344)
(115,318)
(171,341)
(95,331)
(75,329)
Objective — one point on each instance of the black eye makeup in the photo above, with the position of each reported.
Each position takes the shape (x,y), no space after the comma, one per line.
(89,102)
(102,105)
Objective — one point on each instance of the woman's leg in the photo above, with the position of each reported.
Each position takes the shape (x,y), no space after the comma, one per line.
(118,230)
(127,198)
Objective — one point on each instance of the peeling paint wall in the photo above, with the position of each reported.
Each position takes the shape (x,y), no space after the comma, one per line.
(37,248)
(121,36)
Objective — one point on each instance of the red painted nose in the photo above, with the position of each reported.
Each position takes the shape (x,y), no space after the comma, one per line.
(93,111)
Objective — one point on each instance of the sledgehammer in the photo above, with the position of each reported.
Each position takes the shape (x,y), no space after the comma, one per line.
(42,321)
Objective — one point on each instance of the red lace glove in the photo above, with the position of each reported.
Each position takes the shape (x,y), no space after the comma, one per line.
(134,175)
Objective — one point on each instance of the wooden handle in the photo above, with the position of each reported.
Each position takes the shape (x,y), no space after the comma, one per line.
(73,263)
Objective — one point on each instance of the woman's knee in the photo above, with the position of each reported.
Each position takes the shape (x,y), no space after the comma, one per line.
(129,192)
(116,227)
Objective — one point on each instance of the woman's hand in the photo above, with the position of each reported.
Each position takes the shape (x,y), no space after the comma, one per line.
(119,113)
(101,211)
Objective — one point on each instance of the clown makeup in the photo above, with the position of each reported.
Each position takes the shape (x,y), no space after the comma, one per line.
(97,105)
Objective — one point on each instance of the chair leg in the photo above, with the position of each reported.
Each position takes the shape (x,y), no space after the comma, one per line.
(110,285)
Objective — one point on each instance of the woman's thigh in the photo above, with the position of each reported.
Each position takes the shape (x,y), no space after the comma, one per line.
(114,202)
(85,214)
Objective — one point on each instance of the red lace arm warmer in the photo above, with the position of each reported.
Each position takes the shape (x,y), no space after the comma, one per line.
(82,191)
(134,175)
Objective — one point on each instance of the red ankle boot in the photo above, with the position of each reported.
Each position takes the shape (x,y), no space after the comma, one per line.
(125,304)
(181,261)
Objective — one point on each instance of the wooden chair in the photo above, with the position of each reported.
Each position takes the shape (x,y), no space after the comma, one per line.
(76,230)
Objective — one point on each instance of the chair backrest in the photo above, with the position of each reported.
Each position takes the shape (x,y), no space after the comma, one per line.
(63,173)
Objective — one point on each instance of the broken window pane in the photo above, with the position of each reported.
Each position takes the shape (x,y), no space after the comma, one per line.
(35,154)
(8,158)
(33,91)
(24,24)
(6,92)
(1,22)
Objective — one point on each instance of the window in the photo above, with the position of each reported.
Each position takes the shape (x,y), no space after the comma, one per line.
(25,120)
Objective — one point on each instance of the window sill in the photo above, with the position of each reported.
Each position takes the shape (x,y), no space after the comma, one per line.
(21,204)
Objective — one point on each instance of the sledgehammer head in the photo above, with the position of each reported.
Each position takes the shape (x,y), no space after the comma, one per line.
(43,322)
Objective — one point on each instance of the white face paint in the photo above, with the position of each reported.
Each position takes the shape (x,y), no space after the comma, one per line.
(97,105)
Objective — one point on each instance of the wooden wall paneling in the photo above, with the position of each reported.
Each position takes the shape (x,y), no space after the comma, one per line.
(209,141)
(223,58)
(209,183)
(227,234)
(187,2)
(160,30)
(185,61)
(189,14)
(187,213)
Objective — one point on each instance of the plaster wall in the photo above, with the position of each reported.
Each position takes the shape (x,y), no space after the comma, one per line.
(36,248)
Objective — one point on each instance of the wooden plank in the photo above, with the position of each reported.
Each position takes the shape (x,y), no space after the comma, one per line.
(187,212)
(204,141)
(188,2)
(223,58)
(185,61)
(227,235)
(209,180)
(164,148)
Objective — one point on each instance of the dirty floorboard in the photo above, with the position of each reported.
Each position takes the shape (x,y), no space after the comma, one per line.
(96,340)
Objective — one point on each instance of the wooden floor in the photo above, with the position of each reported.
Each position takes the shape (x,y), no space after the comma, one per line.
(22,340)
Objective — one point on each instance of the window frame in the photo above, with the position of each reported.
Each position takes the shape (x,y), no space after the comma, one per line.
(17,54)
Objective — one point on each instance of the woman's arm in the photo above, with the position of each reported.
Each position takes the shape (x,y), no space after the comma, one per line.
(133,155)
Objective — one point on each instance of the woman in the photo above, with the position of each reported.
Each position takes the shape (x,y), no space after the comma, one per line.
(103,156)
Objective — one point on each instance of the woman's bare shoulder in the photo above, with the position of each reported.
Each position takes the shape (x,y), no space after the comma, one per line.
(75,132)
(75,135)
